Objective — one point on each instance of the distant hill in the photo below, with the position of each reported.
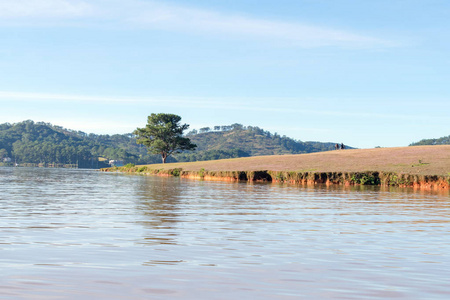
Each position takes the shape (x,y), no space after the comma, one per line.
(40,142)
(242,141)
(440,141)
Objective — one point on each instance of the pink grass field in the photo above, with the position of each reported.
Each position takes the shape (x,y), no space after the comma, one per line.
(419,160)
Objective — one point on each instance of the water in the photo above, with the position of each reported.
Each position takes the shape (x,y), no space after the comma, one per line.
(77,234)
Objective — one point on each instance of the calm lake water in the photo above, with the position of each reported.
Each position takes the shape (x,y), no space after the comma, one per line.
(81,234)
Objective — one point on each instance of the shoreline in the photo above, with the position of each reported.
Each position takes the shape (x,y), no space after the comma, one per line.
(419,167)
(374,178)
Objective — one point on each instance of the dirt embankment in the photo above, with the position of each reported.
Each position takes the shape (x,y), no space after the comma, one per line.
(423,167)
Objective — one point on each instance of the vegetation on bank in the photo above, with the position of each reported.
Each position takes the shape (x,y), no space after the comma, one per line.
(407,166)
(340,178)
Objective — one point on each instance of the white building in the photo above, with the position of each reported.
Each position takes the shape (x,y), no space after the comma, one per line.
(116,163)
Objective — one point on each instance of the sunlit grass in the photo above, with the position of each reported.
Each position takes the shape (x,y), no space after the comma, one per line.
(420,160)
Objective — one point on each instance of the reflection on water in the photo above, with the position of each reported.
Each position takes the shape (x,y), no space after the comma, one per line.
(159,204)
(85,234)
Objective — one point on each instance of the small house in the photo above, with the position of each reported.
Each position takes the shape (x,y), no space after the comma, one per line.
(116,163)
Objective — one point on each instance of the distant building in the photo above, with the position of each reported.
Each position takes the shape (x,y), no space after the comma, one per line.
(116,163)
(7,159)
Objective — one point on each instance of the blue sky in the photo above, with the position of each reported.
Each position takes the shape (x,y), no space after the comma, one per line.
(366,73)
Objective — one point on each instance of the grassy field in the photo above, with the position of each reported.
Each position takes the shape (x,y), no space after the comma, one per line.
(417,160)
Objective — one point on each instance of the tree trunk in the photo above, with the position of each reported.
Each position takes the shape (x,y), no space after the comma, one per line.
(164,157)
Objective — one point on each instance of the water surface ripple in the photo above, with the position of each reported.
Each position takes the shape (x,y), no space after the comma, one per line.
(79,234)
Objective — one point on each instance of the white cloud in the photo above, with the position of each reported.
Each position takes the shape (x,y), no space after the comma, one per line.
(157,15)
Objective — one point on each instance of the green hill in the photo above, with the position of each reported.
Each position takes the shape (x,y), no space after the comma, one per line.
(440,141)
(44,143)
(243,141)
(34,143)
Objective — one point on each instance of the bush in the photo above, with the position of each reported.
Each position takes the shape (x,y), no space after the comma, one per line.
(365,179)
(175,172)
(142,169)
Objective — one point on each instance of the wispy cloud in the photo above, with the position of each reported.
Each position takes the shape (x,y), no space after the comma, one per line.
(292,106)
(48,97)
(157,15)
(7,95)
(203,21)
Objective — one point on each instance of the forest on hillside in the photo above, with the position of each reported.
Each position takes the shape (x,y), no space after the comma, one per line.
(439,141)
(237,140)
(40,142)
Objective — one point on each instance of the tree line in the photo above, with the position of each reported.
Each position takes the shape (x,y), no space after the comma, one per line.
(439,141)
(40,142)
(30,142)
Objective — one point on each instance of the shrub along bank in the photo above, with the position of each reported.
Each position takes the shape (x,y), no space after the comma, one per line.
(338,178)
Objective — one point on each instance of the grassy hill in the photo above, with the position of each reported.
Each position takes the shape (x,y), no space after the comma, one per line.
(420,160)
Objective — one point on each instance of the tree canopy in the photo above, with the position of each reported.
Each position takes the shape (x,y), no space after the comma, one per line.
(163,135)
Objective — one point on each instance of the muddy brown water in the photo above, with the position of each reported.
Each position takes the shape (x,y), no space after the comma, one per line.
(79,234)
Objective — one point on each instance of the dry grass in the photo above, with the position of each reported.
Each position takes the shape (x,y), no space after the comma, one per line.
(420,160)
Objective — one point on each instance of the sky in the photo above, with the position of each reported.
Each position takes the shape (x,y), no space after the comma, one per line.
(364,73)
